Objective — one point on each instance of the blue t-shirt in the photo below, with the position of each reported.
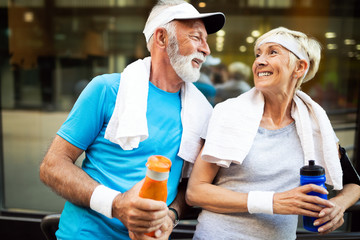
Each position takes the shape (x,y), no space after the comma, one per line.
(107,163)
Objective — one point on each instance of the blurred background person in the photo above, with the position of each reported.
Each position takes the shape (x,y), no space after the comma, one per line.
(238,83)
(205,83)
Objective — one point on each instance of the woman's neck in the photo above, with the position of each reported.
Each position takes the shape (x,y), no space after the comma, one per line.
(277,111)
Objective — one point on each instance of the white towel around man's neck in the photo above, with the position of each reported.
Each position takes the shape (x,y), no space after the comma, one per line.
(235,122)
(128,124)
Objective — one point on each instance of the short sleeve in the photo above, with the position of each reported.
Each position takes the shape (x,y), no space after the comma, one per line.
(88,115)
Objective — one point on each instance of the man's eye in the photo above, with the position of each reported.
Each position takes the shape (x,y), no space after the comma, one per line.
(257,55)
(195,37)
(274,52)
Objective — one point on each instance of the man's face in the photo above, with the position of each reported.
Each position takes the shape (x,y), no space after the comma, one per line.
(188,48)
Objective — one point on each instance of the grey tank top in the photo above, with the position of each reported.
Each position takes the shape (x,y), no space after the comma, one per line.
(272,164)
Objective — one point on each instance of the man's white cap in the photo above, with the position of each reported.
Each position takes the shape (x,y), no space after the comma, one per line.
(213,21)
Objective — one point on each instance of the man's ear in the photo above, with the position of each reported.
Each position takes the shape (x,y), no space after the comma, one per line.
(301,67)
(160,37)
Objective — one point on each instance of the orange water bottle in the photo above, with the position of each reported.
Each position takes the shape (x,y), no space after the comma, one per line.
(155,184)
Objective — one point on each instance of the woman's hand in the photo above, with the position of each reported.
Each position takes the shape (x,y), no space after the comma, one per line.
(296,201)
(333,218)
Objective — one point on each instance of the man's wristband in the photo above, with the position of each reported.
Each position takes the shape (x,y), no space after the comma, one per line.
(260,202)
(102,199)
(176,220)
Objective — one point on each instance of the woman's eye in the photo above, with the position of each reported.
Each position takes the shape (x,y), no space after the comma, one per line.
(257,55)
(274,52)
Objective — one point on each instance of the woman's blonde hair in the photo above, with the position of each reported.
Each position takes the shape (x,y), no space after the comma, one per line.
(311,46)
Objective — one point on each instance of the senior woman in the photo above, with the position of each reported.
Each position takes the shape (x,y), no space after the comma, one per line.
(247,177)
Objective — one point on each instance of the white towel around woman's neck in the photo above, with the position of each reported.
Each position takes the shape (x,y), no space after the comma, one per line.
(235,122)
(128,124)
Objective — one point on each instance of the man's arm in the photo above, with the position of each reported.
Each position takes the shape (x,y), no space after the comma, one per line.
(179,204)
(59,172)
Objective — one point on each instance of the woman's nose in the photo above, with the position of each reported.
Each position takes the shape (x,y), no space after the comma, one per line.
(260,60)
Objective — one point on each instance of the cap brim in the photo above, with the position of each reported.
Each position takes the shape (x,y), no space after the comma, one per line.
(213,21)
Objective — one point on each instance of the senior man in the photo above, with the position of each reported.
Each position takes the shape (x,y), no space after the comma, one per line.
(119,120)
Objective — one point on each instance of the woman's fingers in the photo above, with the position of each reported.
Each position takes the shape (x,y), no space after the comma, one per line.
(332,218)
(297,201)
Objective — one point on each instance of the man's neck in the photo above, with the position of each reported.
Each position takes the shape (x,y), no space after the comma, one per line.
(163,76)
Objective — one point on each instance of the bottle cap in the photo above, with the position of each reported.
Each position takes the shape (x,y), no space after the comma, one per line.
(158,163)
(312,169)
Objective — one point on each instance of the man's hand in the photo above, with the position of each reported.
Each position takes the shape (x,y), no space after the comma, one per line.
(296,201)
(139,215)
(161,234)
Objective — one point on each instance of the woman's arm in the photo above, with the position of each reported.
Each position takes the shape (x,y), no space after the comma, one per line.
(202,193)
(334,216)
(344,199)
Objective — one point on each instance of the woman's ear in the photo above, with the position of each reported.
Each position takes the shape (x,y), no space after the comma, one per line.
(160,37)
(301,67)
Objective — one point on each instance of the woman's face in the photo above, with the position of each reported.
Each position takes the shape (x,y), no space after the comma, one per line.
(272,70)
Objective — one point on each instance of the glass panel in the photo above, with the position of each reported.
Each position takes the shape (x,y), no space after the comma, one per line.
(27,135)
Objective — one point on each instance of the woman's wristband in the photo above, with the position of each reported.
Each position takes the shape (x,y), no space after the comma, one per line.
(260,202)
(102,199)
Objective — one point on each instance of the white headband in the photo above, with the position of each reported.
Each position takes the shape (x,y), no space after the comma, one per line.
(183,11)
(290,44)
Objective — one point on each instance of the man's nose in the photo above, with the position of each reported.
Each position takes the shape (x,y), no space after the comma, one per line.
(204,48)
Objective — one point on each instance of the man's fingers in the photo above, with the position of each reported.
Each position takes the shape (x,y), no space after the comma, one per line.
(139,236)
(131,235)
(158,233)
(148,215)
(165,229)
(141,225)
(151,205)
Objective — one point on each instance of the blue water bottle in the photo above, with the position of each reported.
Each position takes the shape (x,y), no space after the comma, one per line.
(314,174)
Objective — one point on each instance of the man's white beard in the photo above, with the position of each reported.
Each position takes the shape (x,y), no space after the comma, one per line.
(182,64)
